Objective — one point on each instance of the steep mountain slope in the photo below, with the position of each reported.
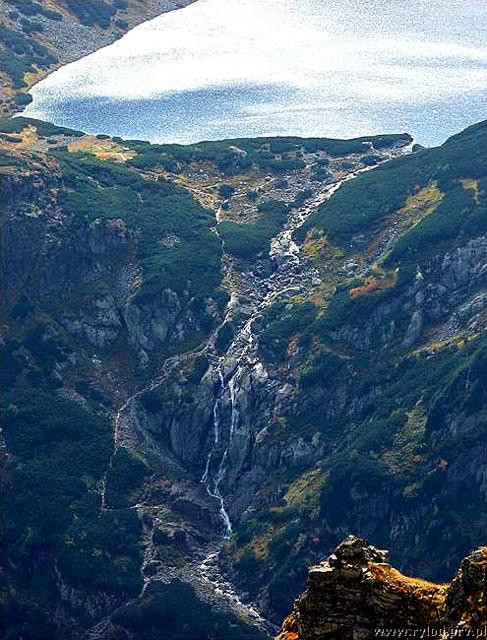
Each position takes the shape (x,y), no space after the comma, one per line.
(37,36)
(224,357)
(89,305)
(382,431)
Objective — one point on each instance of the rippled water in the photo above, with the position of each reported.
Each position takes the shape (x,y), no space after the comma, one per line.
(233,68)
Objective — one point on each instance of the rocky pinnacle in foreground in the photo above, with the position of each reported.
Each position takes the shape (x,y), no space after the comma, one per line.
(355,594)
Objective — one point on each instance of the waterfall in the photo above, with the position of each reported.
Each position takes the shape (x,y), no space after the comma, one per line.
(212,483)
(292,275)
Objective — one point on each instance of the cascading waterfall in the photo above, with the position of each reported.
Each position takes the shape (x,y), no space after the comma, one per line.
(240,347)
(216,426)
(213,483)
(234,411)
(285,254)
(292,275)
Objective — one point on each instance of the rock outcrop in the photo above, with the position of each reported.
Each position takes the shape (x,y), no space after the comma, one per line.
(355,593)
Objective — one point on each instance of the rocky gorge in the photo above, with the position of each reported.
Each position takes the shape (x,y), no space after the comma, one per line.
(221,359)
(214,455)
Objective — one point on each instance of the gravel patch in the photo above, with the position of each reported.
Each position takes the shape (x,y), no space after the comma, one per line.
(72,41)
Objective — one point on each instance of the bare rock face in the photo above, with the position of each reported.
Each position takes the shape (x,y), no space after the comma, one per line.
(356,594)
(466,600)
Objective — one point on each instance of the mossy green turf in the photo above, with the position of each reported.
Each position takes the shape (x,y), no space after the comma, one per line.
(44,129)
(155,209)
(238,155)
(21,55)
(251,241)
(362,205)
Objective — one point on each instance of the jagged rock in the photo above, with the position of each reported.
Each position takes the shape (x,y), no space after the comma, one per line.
(466,600)
(355,593)
(414,330)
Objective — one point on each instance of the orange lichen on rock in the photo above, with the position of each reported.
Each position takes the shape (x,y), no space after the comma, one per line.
(429,598)
(289,629)
(394,578)
(370,285)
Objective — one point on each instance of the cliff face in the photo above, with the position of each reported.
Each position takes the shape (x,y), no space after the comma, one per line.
(377,429)
(355,593)
(48,269)
(73,285)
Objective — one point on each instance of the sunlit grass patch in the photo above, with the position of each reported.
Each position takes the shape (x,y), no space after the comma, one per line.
(473,185)
(103,149)
(306,489)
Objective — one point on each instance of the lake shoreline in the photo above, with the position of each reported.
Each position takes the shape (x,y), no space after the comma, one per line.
(71,41)
(225,70)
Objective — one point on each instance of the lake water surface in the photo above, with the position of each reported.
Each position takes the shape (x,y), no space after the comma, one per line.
(235,68)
